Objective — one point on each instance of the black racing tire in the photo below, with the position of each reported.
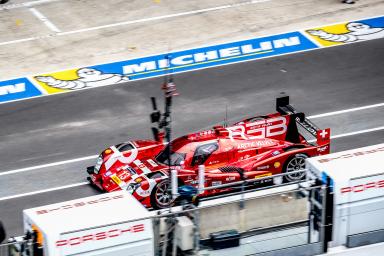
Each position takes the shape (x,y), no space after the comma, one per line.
(3,1)
(161,196)
(294,163)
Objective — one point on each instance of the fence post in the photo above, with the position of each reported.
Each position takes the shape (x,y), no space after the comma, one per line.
(201,179)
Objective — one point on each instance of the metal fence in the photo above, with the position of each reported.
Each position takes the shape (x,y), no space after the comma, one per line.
(20,247)
(269,220)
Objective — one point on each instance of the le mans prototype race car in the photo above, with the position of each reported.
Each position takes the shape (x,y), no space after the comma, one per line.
(256,147)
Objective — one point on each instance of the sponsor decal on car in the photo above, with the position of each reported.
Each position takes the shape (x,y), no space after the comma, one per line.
(263,175)
(263,167)
(142,166)
(153,163)
(216,183)
(231,178)
(276,164)
(259,130)
(322,149)
(254,144)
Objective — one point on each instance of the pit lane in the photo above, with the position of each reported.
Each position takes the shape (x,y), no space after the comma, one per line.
(68,126)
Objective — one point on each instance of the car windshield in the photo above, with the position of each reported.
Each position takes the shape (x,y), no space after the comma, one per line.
(175,157)
(203,152)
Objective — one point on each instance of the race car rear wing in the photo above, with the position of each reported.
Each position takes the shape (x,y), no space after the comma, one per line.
(283,107)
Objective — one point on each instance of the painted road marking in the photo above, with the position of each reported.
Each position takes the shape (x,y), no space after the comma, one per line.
(95,156)
(86,183)
(49,165)
(346,111)
(124,23)
(45,20)
(44,191)
(175,15)
(26,4)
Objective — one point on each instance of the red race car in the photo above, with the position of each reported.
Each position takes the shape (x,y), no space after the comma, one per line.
(256,147)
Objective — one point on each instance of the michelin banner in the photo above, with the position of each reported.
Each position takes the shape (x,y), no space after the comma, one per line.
(16,89)
(157,65)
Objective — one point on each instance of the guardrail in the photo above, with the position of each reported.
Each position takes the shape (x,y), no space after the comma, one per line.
(17,247)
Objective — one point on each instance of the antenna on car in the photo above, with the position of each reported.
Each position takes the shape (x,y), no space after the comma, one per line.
(226,116)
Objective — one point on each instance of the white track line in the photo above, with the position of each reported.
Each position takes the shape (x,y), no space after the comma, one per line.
(49,165)
(200,11)
(45,20)
(43,191)
(346,111)
(26,4)
(357,132)
(85,183)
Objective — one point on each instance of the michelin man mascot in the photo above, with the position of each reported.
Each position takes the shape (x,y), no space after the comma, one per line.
(88,77)
(358,32)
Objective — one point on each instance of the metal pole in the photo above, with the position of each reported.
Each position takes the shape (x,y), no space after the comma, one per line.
(174,243)
(165,242)
(310,217)
(323,218)
(174,183)
(156,234)
(197,231)
(201,179)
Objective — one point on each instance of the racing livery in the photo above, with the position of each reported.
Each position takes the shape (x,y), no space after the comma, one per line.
(255,147)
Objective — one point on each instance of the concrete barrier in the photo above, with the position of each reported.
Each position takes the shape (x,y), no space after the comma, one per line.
(260,211)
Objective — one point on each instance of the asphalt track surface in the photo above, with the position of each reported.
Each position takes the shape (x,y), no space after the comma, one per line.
(74,125)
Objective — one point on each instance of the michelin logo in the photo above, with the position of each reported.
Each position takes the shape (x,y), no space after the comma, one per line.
(357,32)
(88,77)
(12,88)
(211,55)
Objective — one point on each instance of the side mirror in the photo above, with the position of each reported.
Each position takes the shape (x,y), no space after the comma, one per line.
(2,232)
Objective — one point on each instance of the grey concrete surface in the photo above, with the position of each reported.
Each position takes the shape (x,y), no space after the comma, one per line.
(258,213)
(82,43)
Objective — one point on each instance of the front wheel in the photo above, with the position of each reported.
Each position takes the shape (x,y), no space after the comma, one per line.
(161,196)
(294,163)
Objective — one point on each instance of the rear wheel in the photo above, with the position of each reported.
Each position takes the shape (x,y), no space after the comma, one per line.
(294,163)
(161,196)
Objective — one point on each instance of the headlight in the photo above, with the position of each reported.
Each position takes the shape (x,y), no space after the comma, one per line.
(98,164)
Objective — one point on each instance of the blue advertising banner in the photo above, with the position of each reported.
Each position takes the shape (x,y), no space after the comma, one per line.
(209,56)
(16,89)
